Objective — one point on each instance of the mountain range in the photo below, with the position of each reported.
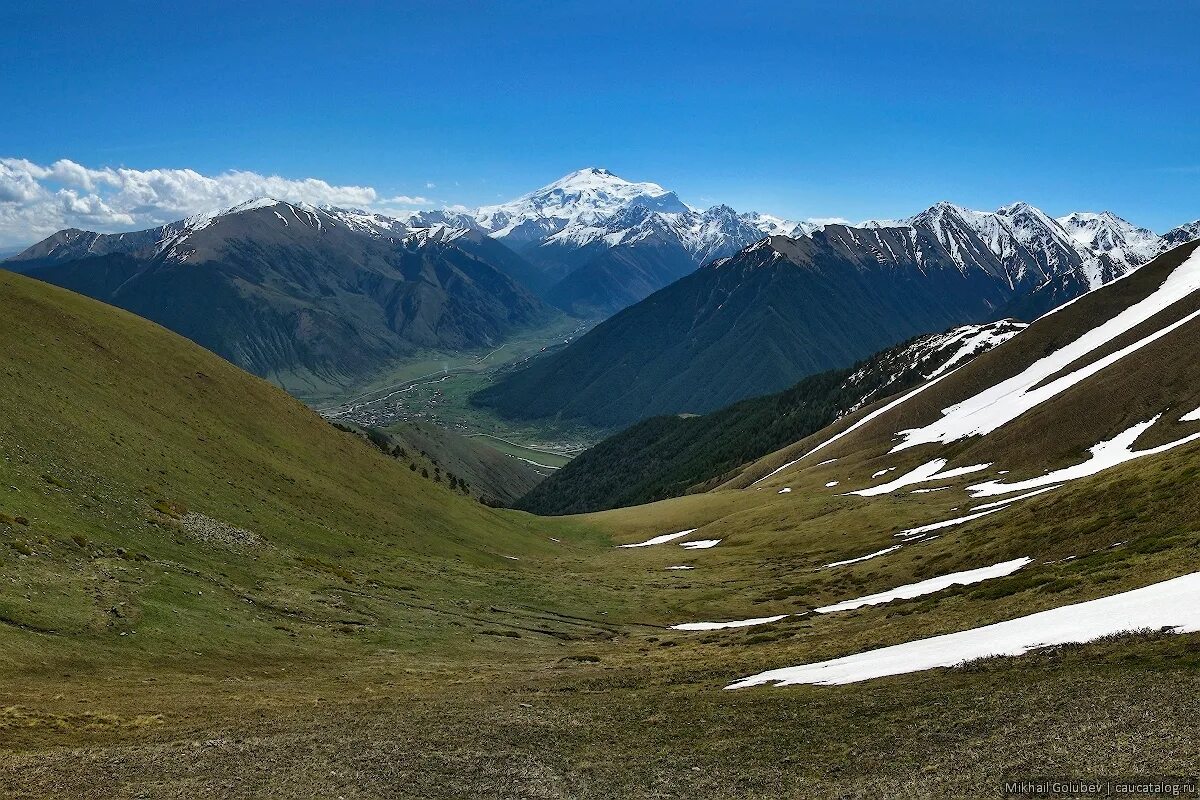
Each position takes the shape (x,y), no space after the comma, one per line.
(710,306)
(303,295)
(786,307)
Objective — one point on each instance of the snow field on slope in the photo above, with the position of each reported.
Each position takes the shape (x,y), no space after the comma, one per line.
(1173,604)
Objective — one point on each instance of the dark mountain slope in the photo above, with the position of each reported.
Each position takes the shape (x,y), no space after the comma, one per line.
(289,292)
(1182,235)
(619,277)
(754,324)
(670,456)
(498,255)
(1145,378)
(1049,295)
(625,258)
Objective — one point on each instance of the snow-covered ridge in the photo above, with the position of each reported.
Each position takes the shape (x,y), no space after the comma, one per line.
(593,207)
(414,229)
(173,236)
(1108,234)
(705,235)
(1033,247)
(938,353)
(999,404)
(381,225)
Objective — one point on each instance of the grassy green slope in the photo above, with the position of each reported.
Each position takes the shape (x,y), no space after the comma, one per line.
(464,463)
(120,434)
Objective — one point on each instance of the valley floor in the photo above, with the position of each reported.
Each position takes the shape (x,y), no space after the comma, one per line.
(614,728)
(436,388)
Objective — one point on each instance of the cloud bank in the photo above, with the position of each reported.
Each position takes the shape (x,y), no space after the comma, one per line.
(37,200)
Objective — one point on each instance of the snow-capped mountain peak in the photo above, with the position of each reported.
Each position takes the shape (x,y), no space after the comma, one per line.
(581,197)
(1184,233)
(1108,234)
(383,226)
(200,221)
(770,224)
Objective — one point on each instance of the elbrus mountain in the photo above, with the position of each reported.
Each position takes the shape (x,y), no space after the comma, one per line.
(603,242)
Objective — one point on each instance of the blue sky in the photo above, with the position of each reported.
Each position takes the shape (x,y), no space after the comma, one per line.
(799,109)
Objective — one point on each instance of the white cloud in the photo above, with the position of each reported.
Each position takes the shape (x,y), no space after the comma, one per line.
(404,200)
(36,200)
(828,220)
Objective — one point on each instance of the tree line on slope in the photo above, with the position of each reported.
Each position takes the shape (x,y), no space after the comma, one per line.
(669,456)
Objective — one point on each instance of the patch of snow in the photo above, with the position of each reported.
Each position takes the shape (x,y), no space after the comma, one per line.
(716,626)
(867,557)
(1172,604)
(1008,500)
(785,490)
(950,523)
(931,470)
(666,537)
(930,586)
(679,566)
(831,484)
(1104,455)
(700,544)
(780,469)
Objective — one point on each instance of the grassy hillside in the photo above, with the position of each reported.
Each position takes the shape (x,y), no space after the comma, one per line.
(332,625)
(159,502)
(465,464)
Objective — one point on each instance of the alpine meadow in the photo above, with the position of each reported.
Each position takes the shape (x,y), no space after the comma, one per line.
(599,400)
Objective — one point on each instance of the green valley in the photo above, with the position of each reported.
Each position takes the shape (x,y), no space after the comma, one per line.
(204,577)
